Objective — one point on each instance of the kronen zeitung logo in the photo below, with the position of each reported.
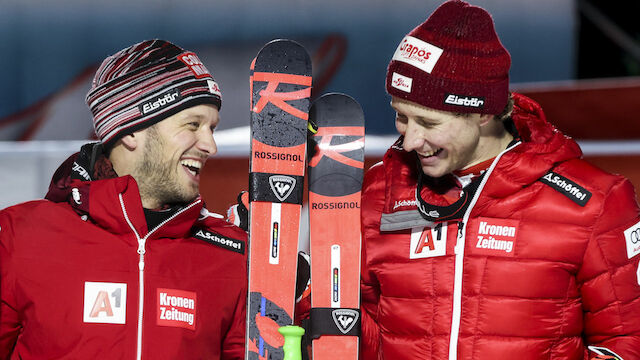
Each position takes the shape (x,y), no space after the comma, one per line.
(496,236)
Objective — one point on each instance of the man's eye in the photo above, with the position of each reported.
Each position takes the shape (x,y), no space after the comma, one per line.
(401,118)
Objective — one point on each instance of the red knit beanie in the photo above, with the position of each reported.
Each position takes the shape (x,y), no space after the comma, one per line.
(453,61)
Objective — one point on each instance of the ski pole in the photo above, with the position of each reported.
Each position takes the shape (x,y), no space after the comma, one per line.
(292,341)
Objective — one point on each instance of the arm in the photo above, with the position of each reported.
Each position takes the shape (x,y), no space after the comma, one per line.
(234,339)
(609,278)
(9,318)
(372,204)
(370,295)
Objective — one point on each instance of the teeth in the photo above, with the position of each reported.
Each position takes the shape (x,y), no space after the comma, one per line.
(193,166)
(430,153)
(191,163)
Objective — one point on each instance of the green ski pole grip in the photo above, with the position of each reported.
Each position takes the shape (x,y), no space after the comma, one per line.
(292,341)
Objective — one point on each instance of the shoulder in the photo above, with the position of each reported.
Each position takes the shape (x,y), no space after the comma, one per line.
(601,189)
(213,229)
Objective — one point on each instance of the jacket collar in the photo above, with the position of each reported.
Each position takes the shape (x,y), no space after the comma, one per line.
(541,148)
(112,203)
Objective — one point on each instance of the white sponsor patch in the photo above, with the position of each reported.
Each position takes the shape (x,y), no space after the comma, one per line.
(428,242)
(105,303)
(214,88)
(417,53)
(401,82)
(632,235)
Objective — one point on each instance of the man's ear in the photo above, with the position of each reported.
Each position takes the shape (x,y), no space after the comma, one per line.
(485,119)
(131,141)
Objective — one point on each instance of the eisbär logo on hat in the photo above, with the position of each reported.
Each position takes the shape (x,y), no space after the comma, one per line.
(452,58)
(144,84)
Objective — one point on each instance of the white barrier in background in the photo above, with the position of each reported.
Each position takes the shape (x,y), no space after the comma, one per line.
(26,167)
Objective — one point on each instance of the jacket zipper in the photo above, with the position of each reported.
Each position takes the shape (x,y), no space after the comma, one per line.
(459,261)
(141,251)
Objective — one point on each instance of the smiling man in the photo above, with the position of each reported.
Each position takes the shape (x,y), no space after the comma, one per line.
(122,260)
(485,235)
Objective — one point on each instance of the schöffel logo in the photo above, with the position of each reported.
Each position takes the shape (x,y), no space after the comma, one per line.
(159,102)
(632,236)
(193,62)
(404,203)
(401,82)
(496,237)
(417,53)
(566,187)
(345,319)
(219,240)
(282,186)
(461,100)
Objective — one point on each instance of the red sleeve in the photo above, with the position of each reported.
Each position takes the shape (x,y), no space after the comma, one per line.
(234,340)
(609,278)
(9,318)
(372,203)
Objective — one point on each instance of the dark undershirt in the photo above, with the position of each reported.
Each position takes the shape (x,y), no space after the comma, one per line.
(156,217)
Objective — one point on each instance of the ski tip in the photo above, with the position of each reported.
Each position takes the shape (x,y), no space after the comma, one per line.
(283,56)
(338,97)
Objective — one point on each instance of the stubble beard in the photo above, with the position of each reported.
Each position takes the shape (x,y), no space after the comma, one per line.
(157,177)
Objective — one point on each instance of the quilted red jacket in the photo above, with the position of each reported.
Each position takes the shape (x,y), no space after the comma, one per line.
(543,264)
(82,277)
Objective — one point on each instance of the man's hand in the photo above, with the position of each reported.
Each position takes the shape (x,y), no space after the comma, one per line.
(238,214)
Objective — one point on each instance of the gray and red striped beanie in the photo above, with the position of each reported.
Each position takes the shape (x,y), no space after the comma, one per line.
(453,62)
(144,84)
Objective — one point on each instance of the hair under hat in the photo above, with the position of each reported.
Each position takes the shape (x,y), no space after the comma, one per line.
(453,61)
(144,84)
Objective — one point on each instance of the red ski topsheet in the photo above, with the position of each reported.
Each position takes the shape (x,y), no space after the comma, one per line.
(335,180)
(280,91)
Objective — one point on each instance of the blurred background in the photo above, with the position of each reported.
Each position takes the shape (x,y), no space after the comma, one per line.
(579,58)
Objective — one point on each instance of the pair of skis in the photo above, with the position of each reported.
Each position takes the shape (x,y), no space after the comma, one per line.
(280,107)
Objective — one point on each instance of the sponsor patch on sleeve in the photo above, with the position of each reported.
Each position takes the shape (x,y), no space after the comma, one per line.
(632,237)
(219,240)
(566,187)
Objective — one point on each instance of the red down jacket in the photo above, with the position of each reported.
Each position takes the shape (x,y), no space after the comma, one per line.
(101,286)
(529,272)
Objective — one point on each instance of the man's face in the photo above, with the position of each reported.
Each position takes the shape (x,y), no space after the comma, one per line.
(444,141)
(175,151)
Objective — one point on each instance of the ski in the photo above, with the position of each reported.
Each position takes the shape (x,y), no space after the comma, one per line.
(280,86)
(335,181)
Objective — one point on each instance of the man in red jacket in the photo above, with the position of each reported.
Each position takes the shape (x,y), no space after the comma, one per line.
(122,260)
(485,236)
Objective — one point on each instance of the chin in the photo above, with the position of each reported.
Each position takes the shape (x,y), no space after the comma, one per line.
(435,173)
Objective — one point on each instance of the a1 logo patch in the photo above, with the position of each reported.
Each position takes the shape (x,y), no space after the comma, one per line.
(496,237)
(177,308)
(428,242)
(105,303)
